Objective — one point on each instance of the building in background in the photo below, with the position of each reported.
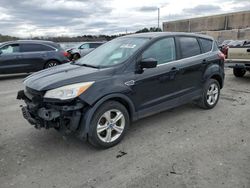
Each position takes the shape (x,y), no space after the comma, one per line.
(225,26)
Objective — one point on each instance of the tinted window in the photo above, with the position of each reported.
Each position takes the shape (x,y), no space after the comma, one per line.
(163,51)
(189,47)
(95,45)
(35,48)
(9,49)
(206,44)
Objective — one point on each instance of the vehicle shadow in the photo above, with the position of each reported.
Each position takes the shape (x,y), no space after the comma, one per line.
(13,76)
(52,140)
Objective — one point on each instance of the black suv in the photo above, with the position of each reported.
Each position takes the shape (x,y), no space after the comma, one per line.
(29,56)
(128,78)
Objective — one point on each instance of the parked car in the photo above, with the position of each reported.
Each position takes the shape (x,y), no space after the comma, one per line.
(239,60)
(126,79)
(29,56)
(83,49)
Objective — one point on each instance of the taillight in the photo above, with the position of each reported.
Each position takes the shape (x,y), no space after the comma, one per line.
(221,56)
(66,54)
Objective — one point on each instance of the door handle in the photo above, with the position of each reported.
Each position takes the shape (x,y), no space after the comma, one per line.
(174,69)
(204,61)
(248,50)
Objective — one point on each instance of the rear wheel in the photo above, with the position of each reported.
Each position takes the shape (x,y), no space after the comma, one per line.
(108,125)
(239,72)
(51,63)
(210,94)
(76,56)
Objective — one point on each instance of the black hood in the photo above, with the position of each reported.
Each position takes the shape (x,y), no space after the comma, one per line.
(62,75)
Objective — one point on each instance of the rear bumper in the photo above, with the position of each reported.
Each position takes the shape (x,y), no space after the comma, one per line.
(237,64)
(51,115)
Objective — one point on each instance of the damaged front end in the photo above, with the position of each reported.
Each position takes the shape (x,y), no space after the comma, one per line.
(63,116)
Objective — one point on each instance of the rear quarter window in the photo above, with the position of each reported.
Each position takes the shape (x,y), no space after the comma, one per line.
(189,47)
(206,45)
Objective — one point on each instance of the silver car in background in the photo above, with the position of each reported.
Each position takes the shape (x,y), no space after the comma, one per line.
(83,49)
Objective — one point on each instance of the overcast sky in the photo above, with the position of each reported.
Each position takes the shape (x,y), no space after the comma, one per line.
(25,18)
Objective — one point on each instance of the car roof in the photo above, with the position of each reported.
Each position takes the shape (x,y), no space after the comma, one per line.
(163,34)
(96,42)
(53,44)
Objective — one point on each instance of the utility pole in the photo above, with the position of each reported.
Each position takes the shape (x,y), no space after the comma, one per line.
(158,18)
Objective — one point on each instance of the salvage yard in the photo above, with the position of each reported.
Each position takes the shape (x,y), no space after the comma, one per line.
(182,147)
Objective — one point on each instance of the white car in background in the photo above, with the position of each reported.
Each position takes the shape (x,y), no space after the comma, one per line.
(83,49)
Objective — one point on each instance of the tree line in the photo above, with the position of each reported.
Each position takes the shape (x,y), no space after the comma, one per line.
(83,38)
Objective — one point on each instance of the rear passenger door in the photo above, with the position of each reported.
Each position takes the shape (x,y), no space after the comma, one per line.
(34,56)
(191,64)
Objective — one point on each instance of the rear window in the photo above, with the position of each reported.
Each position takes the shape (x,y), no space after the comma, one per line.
(35,48)
(189,47)
(206,45)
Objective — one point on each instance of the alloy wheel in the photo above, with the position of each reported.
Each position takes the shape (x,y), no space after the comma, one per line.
(110,125)
(212,94)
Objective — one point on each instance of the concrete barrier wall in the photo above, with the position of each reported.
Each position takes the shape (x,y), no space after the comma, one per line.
(236,34)
(237,20)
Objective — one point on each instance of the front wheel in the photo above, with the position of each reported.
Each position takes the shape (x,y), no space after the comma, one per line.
(108,125)
(239,72)
(210,94)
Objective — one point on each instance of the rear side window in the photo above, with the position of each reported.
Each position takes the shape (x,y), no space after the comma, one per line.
(94,45)
(206,45)
(35,48)
(189,47)
(163,51)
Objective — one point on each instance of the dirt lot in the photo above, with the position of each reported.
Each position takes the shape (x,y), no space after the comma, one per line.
(183,147)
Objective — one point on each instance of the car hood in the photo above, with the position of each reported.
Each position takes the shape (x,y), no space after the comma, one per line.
(65,74)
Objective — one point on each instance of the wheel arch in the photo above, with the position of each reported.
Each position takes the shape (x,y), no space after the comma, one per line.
(84,126)
(215,72)
(218,78)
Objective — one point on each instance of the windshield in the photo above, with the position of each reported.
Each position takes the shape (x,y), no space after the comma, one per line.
(113,52)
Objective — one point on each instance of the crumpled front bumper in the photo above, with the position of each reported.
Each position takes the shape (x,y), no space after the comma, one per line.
(42,114)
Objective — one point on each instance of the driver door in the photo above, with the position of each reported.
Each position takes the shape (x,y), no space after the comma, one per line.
(158,85)
(10,59)
(85,49)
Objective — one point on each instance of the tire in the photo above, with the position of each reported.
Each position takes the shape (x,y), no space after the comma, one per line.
(76,56)
(239,72)
(104,121)
(210,94)
(51,63)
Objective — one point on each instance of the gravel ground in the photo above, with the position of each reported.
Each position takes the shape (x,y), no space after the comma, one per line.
(183,147)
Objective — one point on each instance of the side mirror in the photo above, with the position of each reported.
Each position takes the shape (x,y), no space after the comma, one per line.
(148,63)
